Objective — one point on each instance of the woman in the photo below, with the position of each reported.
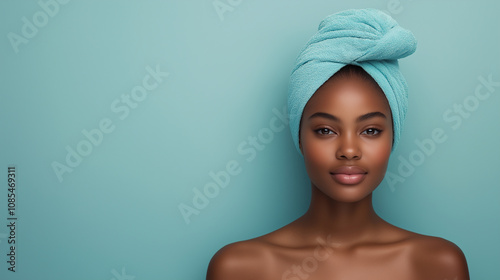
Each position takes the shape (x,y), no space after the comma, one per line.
(347,103)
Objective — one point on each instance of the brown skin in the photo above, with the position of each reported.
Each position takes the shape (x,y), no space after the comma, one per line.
(340,236)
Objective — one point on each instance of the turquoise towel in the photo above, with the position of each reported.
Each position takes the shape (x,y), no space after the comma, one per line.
(368,38)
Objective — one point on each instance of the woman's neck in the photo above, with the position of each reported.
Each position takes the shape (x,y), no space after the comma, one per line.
(345,223)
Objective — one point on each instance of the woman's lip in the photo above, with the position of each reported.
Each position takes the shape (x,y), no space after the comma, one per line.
(349,170)
(348,175)
(348,179)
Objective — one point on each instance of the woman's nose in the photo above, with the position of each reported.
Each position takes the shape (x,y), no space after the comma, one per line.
(348,148)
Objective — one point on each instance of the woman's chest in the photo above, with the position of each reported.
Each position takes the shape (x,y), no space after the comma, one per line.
(332,264)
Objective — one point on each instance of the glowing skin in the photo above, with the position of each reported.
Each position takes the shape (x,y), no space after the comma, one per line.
(347,122)
(346,140)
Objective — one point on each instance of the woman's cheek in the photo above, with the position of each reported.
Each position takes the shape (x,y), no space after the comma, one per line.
(380,155)
(317,154)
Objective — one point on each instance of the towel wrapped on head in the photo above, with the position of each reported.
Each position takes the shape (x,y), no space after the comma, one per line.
(368,38)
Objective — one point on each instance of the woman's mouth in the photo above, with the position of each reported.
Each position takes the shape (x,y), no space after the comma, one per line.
(348,175)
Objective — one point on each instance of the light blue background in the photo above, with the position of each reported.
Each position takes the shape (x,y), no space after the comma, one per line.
(118,209)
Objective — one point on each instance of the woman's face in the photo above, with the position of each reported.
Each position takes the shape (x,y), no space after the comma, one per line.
(346,138)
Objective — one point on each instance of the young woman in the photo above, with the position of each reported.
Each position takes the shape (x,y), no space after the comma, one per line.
(345,126)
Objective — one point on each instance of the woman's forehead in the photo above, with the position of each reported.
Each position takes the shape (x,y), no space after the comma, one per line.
(349,95)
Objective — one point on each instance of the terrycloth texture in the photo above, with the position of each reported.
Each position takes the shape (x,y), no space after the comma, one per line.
(368,38)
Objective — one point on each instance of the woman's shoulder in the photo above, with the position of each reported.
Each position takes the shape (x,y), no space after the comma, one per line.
(437,255)
(255,258)
(437,247)
(238,260)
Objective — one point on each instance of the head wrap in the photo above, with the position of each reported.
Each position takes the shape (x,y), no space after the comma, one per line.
(368,38)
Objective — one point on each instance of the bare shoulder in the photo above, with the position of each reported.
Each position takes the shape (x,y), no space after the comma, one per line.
(240,260)
(258,258)
(439,256)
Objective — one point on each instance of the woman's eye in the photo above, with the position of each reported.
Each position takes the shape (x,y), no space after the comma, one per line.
(372,131)
(324,131)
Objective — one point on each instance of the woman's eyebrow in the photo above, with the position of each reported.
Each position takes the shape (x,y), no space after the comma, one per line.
(359,119)
(324,115)
(370,115)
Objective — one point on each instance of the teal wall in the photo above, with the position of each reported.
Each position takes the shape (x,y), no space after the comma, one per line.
(117,113)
